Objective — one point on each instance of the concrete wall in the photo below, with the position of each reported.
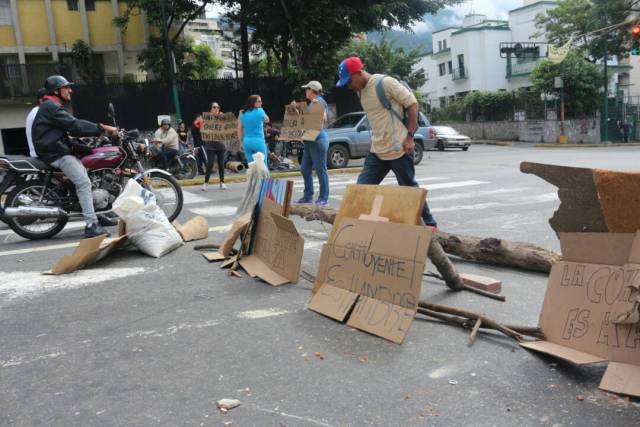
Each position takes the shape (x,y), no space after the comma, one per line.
(586,131)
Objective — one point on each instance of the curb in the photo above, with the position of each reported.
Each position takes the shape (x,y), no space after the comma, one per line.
(488,142)
(242,178)
(626,144)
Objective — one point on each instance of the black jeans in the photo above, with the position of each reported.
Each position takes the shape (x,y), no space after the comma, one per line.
(211,155)
(166,157)
(375,170)
(201,158)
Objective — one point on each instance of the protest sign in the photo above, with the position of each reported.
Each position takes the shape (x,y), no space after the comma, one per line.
(302,125)
(219,127)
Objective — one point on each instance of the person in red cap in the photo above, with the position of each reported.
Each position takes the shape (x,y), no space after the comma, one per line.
(392,144)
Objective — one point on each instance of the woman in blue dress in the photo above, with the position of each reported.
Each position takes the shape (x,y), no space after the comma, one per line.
(251,128)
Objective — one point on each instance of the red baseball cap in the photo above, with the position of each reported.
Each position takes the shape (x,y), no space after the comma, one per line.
(347,67)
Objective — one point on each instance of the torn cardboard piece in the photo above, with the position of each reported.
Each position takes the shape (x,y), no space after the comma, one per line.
(581,302)
(302,125)
(90,251)
(278,247)
(196,228)
(370,274)
(234,234)
(483,283)
(219,127)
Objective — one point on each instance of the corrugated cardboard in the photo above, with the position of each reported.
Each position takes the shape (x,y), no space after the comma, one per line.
(197,228)
(277,253)
(302,125)
(582,299)
(371,273)
(89,251)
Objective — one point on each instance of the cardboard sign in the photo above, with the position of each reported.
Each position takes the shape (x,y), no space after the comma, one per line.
(278,248)
(587,291)
(90,251)
(196,228)
(219,127)
(371,272)
(302,125)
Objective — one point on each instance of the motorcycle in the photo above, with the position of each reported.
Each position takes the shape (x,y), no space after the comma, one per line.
(39,200)
(185,165)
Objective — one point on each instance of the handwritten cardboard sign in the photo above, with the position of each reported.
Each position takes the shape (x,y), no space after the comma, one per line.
(588,294)
(302,125)
(278,248)
(219,127)
(371,272)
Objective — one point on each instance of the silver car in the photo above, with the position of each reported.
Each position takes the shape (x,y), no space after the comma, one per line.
(350,138)
(448,137)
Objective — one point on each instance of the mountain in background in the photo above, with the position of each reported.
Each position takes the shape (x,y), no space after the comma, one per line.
(421,37)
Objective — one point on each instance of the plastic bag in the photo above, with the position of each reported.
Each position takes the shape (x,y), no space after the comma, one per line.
(151,232)
(257,171)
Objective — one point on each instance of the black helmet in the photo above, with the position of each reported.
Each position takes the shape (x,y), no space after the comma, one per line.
(40,93)
(56,82)
(165,122)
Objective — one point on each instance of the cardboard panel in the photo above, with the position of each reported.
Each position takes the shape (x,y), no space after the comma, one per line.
(401,205)
(214,256)
(234,234)
(381,318)
(619,196)
(197,228)
(302,125)
(219,127)
(579,208)
(596,248)
(255,267)
(621,378)
(333,302)
(562,352)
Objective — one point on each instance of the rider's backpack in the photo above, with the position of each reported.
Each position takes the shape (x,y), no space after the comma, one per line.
(386,103)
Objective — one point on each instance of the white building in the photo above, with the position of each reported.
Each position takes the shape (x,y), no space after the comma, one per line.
(467,58)
(221,39)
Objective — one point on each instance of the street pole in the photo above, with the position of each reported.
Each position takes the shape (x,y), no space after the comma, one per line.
(235,60)
(170,59)
(605,103)
(563,137)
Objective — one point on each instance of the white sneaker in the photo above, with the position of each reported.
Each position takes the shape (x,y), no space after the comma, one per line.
(204,187)
(222,186)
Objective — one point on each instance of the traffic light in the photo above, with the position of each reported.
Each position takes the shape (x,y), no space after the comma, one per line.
(635,40)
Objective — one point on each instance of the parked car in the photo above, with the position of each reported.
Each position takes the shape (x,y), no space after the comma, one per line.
(350,138)
(448,137)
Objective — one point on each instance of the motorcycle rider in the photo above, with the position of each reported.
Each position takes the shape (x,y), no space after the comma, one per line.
(168,138)
(51,127)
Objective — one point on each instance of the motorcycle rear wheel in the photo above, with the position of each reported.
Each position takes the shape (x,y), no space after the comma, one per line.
(29,228)
(189,168)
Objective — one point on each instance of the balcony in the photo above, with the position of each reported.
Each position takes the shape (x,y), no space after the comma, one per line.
(520,69)
(460,73)
(24,80)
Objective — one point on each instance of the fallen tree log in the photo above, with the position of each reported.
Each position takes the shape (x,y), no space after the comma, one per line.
(488,250)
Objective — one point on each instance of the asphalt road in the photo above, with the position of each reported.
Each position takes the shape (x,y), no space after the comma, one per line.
(138,341)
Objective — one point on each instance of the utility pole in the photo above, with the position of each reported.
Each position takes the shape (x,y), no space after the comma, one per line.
(170,60)
(604,132)
(235,60)
(563,136)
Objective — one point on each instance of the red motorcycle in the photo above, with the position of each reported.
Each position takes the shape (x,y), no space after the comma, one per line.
(39,200)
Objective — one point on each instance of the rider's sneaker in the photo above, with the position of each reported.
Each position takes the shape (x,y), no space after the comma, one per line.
(94,230)
(322,203)
(222,186)
(107,221)
(304,201)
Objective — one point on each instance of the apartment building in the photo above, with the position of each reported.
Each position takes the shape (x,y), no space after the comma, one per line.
(36,39)
(221,37)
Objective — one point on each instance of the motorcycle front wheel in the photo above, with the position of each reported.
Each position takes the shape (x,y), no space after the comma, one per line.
(33,228)
(189,168)
(168,193)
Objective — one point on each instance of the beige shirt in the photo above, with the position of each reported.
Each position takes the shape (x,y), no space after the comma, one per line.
(387,131)
(169,139)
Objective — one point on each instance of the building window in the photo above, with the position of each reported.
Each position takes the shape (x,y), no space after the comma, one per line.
(443,101)
(439,45)
(450,65)
(72,4)
(461,63)
(90,4)
(5,12)
(444,44)
(442,69)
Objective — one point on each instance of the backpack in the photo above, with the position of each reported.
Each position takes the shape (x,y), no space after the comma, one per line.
(386,103)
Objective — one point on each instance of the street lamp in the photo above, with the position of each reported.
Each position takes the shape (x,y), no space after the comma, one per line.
(170,59)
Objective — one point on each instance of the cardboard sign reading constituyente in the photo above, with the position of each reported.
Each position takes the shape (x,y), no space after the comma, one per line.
(219,127)
(371,272)
(299,124)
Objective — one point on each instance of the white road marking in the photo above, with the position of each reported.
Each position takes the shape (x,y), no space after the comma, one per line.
(343,184)
(454,184)
(262,314)
(190,198)
(20,360)
(475,194)
(539,198)
(21,284)
(216,229)
(215,210)
(174,329)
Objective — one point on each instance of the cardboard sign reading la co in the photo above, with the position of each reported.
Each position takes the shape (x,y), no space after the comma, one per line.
(371,272)
(302,125)
(219,127)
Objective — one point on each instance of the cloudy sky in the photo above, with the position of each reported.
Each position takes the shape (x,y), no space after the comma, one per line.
(494,9)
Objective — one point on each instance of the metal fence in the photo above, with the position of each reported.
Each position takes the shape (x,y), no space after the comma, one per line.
(24,80)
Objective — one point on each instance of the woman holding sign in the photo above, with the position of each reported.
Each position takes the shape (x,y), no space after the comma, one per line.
(251,128)
(315,152)
(215,149)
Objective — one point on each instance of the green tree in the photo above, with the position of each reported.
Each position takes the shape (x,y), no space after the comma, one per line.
(193,62)
(582,82)
(575,18)
(205,65)
(89,70)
